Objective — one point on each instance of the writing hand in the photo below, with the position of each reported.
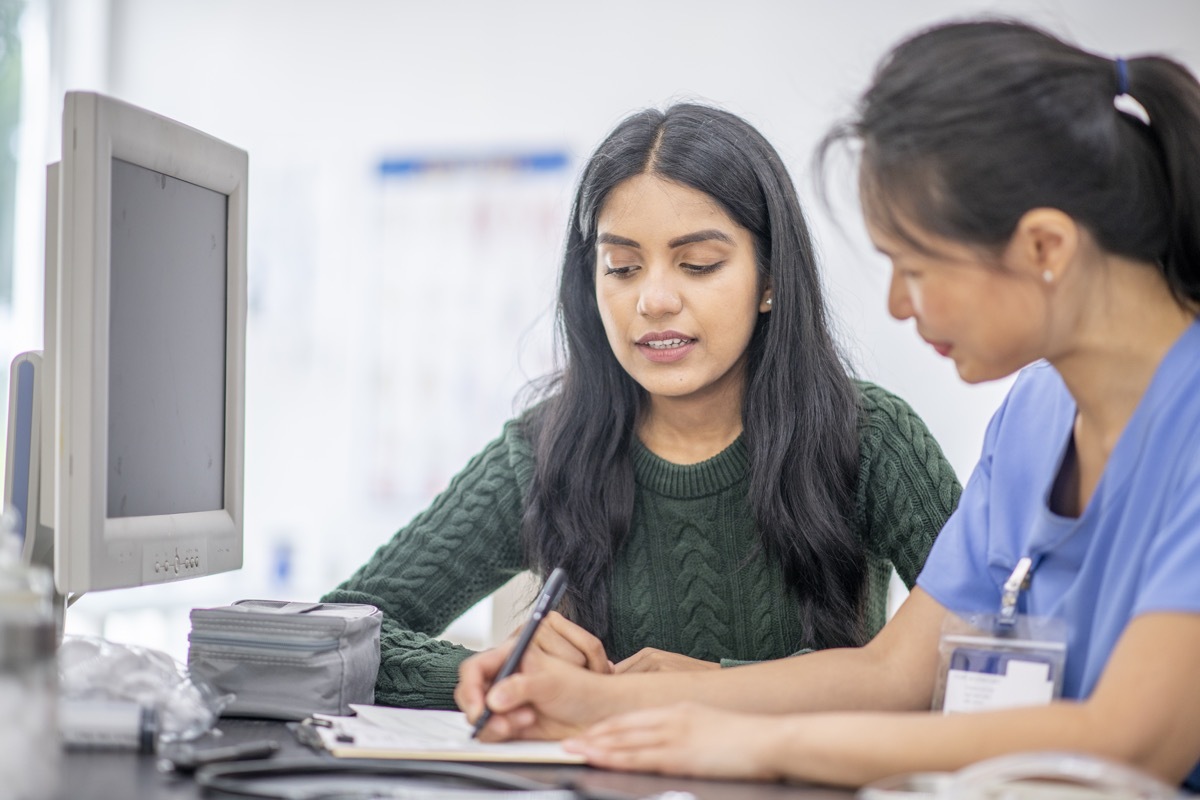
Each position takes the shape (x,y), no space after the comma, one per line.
(651,659)
(547,699)
(557,637)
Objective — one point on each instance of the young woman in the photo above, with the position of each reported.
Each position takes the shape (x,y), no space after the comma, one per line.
(1041,206)
(716,486)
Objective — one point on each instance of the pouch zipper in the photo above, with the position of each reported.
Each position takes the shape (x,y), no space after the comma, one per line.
(310,646)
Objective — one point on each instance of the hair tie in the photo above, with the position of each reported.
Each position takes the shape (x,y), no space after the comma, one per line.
(1124,102)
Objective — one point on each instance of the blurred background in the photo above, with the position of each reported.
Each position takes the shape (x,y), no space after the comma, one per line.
(411,170)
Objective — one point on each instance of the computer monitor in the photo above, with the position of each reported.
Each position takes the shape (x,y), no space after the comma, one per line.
(142,382)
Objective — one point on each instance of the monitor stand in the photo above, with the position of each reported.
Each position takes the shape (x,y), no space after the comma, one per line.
(23,469)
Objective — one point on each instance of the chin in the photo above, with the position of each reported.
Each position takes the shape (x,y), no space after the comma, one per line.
(970,377)
(982,373)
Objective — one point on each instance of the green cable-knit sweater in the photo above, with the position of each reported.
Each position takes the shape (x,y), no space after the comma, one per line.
(689,577)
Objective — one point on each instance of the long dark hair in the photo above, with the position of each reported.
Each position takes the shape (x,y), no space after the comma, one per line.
(968,125)
(799,413)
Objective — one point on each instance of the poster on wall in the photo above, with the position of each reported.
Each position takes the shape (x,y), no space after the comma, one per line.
(461,314)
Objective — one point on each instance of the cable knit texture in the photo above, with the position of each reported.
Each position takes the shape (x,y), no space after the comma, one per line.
(690,577)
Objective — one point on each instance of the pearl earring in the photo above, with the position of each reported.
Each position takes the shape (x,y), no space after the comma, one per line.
(768,301)
(1048,276)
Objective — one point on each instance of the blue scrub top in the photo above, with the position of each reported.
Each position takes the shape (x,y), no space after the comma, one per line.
(1135,548)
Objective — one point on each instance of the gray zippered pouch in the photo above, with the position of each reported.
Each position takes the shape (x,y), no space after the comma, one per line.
(287,660)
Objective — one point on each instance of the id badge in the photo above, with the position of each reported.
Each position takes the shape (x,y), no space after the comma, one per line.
(980,671)
(1003,660)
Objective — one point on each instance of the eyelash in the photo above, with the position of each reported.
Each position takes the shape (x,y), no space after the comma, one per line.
(694,269)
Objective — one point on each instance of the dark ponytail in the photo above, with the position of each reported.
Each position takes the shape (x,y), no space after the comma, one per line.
(969,125)
(1171,96)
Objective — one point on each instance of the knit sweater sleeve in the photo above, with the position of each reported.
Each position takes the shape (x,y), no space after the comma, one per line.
(450,556)
(906,487)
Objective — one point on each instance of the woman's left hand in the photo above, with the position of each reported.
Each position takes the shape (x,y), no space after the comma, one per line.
(685,739)
(651,659)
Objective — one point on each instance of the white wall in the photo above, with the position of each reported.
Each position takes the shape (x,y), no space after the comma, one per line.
(327,88)
(318,92)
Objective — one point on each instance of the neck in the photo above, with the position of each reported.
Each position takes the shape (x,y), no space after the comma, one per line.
(1123,329)
(690,430)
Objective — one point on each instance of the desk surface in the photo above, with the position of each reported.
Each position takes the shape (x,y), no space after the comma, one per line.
(96,775)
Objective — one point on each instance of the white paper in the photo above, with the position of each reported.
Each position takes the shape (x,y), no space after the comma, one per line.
(383,732)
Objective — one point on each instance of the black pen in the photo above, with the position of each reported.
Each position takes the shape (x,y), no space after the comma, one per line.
(187,758)
(546,602)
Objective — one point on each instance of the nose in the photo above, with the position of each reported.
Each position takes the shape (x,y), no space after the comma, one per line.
(899,302)
(659,296)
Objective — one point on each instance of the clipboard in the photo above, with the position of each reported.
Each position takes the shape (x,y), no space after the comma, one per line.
(382,732)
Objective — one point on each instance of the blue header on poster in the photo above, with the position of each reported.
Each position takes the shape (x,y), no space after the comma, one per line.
(536,162)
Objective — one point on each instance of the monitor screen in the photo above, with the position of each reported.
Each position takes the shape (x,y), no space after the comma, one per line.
(166,345)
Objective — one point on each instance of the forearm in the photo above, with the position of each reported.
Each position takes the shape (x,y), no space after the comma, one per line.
(894,672)
(416,670)
(1143,713)
(842,680)
(853,749)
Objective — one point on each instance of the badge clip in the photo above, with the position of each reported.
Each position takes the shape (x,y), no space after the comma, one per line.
(1016,583)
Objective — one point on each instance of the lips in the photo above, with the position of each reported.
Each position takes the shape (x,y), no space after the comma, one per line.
(665,346)
(941,348)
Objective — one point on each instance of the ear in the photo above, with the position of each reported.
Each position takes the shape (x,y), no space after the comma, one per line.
(1043,244)
(764,302)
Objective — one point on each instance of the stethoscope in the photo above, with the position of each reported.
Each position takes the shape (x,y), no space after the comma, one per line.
(372,779)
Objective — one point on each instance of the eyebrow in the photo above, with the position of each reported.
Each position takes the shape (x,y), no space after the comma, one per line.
(679,241)
(701,236)
(612,238)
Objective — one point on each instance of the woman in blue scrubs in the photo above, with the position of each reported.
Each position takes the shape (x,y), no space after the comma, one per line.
(1040,205)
